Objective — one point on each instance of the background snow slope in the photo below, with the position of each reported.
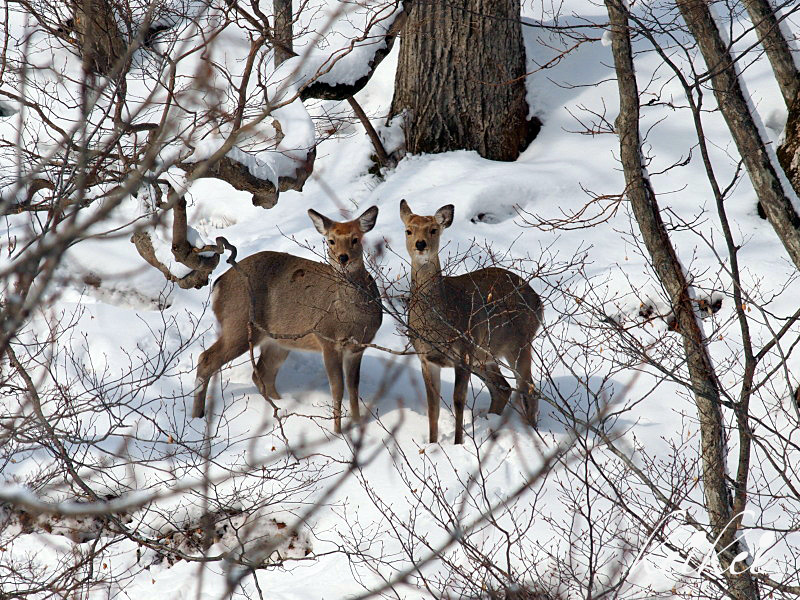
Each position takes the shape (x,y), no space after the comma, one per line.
(550,178)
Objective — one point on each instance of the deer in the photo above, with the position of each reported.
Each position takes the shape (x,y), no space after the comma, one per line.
(468,322)
(281,302)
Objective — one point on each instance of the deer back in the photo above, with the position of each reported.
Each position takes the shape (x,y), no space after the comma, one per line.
(286,295)
(481,313)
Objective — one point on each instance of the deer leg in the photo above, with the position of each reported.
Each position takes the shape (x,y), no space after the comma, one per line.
(270,361)
(332,357)
(352,371)
(460,400)
(526,391)
(499,389)
(431,374)
(209,363)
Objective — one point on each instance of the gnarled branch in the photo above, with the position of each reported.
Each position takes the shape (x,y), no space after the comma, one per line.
(184,252)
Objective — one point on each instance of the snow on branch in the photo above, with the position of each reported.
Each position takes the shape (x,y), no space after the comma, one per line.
(345,72)
(268,172)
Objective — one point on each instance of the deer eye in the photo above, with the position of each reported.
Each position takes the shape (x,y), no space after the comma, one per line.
(355,241)
(330,242)
(408,232)
(434,230)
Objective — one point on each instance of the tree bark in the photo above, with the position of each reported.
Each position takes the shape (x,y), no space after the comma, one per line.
(730,98)
(99,38)
(282,30)
(461,78)
(668,268)
(762,14)
(789,150)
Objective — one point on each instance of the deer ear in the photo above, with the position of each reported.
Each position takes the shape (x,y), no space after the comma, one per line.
(405,211)
(321,222)
(367,219)
(444,216)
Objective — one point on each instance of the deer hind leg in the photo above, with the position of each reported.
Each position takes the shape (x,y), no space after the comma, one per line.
(460,400)
(352,371)
(332,357)
(209,363)
(526,391)
(431,375)
(499,389)
(267,367)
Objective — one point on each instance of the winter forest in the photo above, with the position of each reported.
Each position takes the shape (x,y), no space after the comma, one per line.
(360,299)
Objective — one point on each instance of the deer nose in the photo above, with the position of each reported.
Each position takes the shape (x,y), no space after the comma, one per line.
(421,245)
(343,258)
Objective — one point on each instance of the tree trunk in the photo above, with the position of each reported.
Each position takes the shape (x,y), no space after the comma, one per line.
(665,262)
(282,30)
(461,78)
(735,110)
(762,14)
(789,150)
(100,40)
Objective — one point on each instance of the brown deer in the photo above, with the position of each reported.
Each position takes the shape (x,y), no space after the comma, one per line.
(468,322)
(282,302)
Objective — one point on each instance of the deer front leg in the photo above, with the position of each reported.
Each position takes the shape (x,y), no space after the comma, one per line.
(431,374)
(352,371)
(459,401)
(332,357)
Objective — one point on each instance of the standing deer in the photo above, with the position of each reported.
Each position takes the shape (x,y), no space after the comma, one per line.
(467,322)
(283,302)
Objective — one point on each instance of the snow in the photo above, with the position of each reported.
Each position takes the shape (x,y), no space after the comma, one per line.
(339,43)
(7,109)
(121,327)
(356,31)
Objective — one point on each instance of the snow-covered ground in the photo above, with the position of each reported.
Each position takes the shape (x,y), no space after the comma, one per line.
(355,540)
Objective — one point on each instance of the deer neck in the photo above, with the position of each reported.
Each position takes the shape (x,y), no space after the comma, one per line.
(426,278)
(357,284)
(357,276)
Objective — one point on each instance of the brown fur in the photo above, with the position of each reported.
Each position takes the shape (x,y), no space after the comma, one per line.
(468,322)
(337,303)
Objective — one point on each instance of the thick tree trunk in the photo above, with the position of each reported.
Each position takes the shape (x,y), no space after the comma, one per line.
(730,98)
(461,78)
(665,262)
